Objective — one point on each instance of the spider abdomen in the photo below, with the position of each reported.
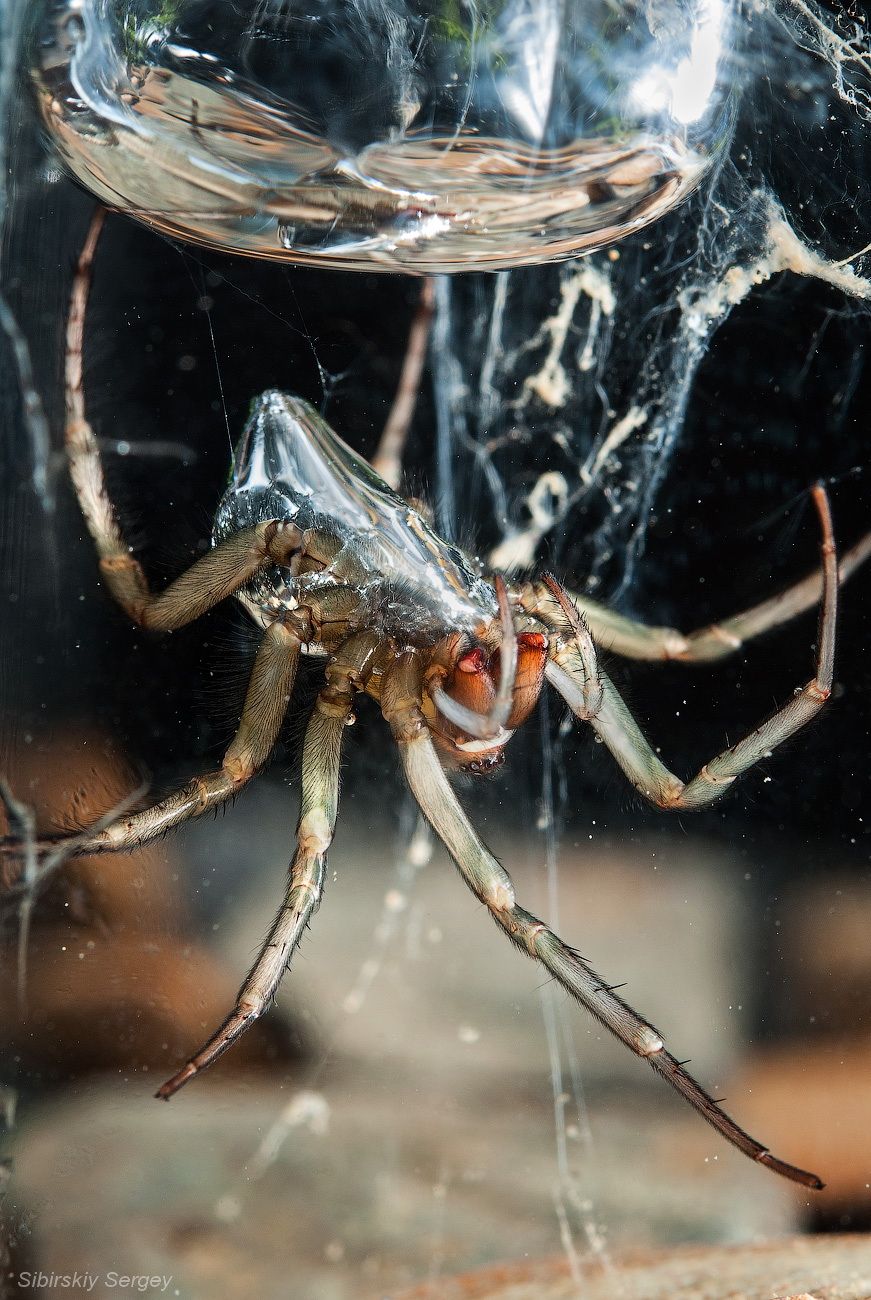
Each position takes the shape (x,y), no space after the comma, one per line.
(360,537)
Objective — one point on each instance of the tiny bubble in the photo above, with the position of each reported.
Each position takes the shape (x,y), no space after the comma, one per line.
(227,1209)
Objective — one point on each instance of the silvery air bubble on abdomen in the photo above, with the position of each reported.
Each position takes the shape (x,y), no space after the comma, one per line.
(291,466)
(421,135)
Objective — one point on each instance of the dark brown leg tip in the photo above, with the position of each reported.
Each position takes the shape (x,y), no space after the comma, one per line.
(171,1087)
(792,1172)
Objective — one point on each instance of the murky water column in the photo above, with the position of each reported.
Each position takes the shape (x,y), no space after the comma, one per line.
(433,138)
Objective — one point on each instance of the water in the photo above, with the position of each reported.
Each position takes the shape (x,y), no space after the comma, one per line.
(645,421)
(388,134)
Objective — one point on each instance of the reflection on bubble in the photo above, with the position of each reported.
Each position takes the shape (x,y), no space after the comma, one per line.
(421,135)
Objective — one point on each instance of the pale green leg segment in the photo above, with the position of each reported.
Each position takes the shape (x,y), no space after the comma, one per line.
(317,820)
(573,670)
(212,578)
(265,706)
(633,640)
(490,883)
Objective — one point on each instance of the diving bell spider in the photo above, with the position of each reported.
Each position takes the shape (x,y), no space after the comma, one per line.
(331,562)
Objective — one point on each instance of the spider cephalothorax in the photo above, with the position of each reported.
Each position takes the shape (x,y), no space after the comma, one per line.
(465,677)
(330,561)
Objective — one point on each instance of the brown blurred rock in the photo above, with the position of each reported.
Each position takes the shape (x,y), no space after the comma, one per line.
(357,1185)
(114,978)
(800,1268)
(103,1001)
(826,956)
(423,1142)
(813,1104)
(70,781)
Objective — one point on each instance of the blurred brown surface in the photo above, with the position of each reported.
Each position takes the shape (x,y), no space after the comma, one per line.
(115,977)
(356,1187)
(70,780)
(424,1142)
(811,1094)
(418,1138)
(826,954)
(814,1104)
(798,1268)
(102,1002)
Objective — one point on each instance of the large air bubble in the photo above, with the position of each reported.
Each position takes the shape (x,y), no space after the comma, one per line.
(393,134)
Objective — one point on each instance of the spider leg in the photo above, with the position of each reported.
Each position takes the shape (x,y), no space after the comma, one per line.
(634,640)
(614,723)
(490,883)
(317,820)
(263,712)
(387,461)
(213,577)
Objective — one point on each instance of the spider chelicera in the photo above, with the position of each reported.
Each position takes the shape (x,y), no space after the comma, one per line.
(330,561)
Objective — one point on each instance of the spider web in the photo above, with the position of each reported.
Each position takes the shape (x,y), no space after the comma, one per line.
(563,392)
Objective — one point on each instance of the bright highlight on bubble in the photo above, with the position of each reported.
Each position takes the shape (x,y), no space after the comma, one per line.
(688,90)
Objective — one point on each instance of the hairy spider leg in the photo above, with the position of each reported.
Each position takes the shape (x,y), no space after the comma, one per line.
(490,883)
(613,721)
(387,461)
(212,578)
(634,640)
(317,819)
(266,700)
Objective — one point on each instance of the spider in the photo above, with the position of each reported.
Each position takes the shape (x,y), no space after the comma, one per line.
(331,562)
